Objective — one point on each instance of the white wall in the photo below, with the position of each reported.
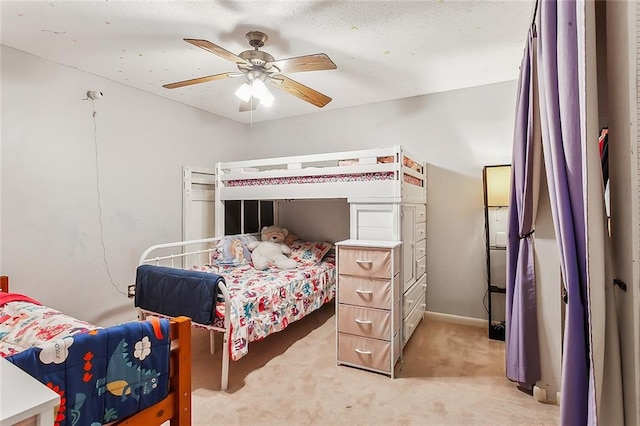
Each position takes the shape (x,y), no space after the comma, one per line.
(49,197)
(457,133)
(315,220)
(51,244)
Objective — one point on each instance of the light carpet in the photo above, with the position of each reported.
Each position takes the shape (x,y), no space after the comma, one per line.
(451,374)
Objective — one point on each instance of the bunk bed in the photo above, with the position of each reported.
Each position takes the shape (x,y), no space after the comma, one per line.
(386,189)
(386,192)
(136,373)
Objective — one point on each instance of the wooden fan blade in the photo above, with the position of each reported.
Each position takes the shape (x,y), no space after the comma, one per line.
(217,50)
(317,62)
(300,90)
(199,80)
(251,105)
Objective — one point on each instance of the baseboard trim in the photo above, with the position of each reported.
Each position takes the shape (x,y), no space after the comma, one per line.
(455,319)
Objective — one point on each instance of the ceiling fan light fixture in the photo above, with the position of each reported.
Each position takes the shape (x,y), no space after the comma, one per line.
(257,66)
(259,89)
(267,99)
(244,92)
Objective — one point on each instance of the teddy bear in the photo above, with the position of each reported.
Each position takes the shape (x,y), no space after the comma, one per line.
(271,251)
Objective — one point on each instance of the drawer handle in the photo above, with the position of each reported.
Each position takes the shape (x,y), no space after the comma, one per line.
(365,263)
(359,321)
(361,352)
(367,292)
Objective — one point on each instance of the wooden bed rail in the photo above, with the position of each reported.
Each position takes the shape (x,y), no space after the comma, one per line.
(4,283)
(181,377)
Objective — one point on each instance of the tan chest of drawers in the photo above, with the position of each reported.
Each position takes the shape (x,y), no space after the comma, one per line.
(369,320)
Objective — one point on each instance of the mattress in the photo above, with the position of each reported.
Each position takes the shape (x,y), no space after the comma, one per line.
(265,302)
(298,180)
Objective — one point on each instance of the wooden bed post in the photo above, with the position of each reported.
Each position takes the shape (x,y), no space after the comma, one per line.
(4,283)
(176,407)
(181,378)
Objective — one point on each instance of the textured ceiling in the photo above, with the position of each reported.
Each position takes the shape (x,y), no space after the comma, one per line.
(383,49)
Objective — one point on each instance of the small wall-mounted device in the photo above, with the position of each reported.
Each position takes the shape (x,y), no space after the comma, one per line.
(94,94)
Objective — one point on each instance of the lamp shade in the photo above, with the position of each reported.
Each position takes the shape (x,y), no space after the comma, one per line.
(244,92)
(497,183)
(258,88)
(267,99)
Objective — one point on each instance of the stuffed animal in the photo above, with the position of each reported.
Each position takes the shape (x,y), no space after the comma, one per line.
(271,251)
(290,239)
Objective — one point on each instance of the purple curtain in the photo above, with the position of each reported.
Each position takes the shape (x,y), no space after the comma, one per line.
(521,328)
(560,102)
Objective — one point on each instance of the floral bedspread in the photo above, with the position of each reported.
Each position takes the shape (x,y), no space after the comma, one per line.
(101,374)
(23,325)
(297,180)
(265,302)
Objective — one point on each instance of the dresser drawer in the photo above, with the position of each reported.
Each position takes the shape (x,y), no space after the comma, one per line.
(421,231)
(421,249)
(366,322)
(421,213)
(363,262)
(413,296)
(421,266)
(367,292)
(421,277)
(367,353)
(412,321)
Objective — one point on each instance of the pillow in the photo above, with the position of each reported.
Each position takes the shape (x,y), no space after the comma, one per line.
(232,250)
(309,253)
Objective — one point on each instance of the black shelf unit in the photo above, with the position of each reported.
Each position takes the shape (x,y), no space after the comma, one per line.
(496,327)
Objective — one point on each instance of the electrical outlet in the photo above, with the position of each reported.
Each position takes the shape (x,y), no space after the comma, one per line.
(131,291)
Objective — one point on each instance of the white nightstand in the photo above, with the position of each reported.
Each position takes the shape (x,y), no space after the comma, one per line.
(24,398)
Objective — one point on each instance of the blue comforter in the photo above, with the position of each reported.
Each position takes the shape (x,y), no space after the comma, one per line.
(103,375)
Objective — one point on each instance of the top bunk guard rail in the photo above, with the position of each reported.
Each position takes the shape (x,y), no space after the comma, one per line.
(381,174)
(309,171)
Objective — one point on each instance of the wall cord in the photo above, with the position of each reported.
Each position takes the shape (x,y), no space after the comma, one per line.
(99,198)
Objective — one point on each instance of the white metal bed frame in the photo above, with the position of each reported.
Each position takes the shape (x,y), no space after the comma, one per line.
(183,257)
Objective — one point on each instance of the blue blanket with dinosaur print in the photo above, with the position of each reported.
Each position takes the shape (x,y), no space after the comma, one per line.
(103,375)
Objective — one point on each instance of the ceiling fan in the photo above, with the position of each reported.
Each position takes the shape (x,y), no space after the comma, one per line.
(259,67)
